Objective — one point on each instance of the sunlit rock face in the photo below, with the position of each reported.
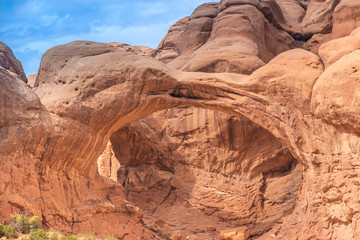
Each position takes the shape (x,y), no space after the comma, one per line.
(201,169)
(232,127)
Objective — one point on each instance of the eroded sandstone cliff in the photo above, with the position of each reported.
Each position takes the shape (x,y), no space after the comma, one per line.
(267,138)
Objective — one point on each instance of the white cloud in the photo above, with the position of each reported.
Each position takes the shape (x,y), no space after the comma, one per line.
(34,6)
(149,35)
(48,20)
(148,9)
(134,22)
(40,46)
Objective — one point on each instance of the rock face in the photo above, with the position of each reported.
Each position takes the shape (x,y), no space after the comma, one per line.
(345,17)
(184,171)
(108,164)
(32,80)
(9,62)
(23,125)
(227,37)
(29,184)
(267,151)
(238,233)
(139,50)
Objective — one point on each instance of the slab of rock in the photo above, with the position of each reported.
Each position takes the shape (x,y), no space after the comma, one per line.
(32,82)
(108,164)
(9,62)
(332,51)
(336,93)
(231,39)
(177,235)
(176,47)
(318,18)
(241,233)
(345,17)
(139,50)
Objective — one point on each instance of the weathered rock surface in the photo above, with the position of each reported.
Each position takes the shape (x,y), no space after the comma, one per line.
(225,37)
(333,100)
(108,164)
(194,172)
(9,62)
(346,17)
(139,50)
(32,80)
(240,36)
(23,130)
(241,233)
(63,199)
(332,51)
(281,159)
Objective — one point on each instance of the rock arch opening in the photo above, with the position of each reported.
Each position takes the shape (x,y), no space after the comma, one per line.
(129,88)
(201,171)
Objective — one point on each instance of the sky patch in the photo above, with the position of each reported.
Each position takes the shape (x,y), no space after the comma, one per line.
(30,27)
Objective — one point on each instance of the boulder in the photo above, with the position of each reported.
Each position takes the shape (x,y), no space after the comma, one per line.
(241,233)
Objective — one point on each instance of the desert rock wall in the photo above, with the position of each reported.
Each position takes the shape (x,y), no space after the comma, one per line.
(302,177)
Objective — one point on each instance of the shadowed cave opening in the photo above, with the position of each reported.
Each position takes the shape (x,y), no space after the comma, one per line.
(201,171)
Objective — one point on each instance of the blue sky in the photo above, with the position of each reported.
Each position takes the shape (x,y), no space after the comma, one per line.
(30,27)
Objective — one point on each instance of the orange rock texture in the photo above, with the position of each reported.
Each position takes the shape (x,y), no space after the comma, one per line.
(242,124)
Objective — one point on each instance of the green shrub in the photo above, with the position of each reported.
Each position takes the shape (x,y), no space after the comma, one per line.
(9,231)
(38,234)
(55,235)
(33,223)
(71,237)
(1,231)
(110,238)
(86,236)
(21,223)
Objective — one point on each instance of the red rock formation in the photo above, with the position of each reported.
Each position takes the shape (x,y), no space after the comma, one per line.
(199,137)
(32,80)
(219,165)
(9,62)
(23,130)
(345,17)
(232,36)
(62,197)
(139,50)
(289,171)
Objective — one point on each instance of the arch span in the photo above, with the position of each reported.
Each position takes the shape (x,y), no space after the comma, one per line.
(89,90)
(94,90)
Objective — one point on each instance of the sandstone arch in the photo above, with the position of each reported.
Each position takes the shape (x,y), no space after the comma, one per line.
(85,100)
(96,93)
(89,90)
(106,90)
